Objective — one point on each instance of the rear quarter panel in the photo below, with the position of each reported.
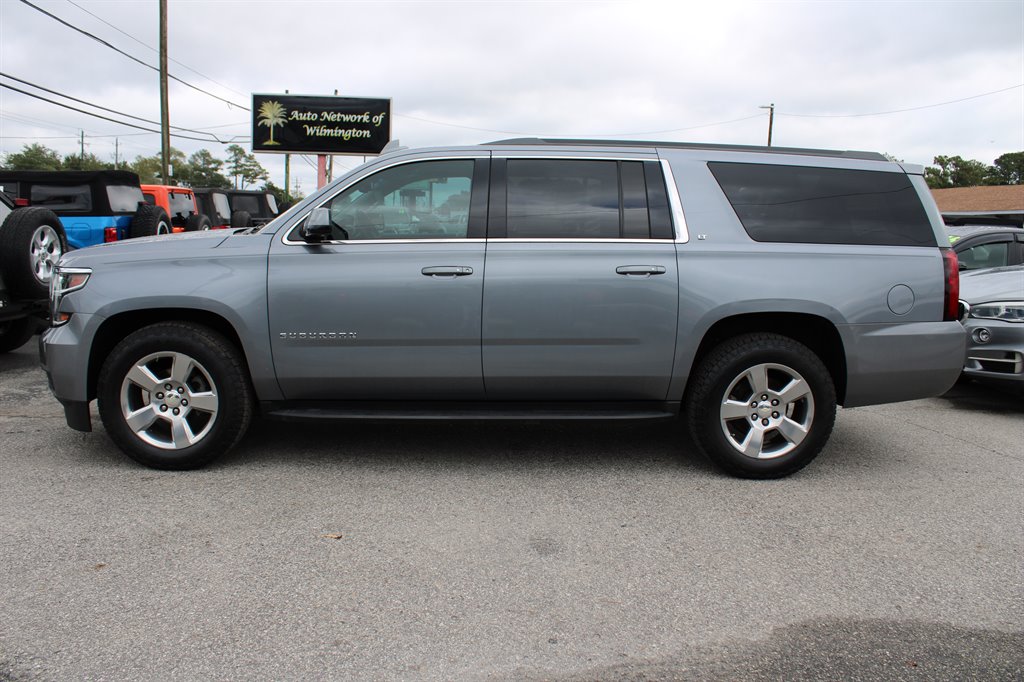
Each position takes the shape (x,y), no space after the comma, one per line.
(861,290)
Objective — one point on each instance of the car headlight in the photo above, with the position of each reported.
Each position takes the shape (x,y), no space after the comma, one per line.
(1006,311)
(64,281)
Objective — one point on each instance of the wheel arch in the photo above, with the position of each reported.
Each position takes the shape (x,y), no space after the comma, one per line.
(816,332)
(117,327)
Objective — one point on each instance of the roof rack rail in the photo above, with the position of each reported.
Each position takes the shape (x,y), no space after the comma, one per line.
(570,142)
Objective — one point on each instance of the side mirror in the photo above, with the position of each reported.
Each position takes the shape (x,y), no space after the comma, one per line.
(317,227)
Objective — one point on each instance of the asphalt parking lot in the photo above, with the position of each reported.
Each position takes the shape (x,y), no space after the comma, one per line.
(514,552)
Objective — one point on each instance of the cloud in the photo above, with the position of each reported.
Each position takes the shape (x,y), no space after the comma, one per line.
(458,70)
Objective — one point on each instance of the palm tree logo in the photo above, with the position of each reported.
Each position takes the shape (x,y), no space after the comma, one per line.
(271,114)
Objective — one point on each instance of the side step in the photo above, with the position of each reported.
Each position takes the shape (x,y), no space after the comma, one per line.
(305,410)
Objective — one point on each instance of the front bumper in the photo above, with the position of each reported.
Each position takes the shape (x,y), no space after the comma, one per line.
(66,362)
(995,350)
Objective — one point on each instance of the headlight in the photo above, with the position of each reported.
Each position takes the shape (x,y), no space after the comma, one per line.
(64,281)
(1007,311)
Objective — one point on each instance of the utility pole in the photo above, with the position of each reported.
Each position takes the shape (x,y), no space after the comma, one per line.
(165,117)
(330,168)
(81,143)
(287,172)
(771,119)
(116,163)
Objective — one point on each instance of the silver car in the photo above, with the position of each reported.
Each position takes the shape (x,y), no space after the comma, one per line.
(992,312)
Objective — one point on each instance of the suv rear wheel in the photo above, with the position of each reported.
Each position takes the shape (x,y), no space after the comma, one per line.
(197,222)
(761,406)
(32,240)
(175,395)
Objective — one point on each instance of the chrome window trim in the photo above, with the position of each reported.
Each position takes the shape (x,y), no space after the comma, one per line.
(569,240)
(561,157)
(675,204)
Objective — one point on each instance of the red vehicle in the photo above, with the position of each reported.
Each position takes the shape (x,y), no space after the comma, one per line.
(179,206)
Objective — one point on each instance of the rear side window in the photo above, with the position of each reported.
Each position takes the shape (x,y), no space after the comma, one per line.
(222,207)
(585,199)
(824,205)
(58,198)
(563,199)
(993,255)
(124,198)
(246,202)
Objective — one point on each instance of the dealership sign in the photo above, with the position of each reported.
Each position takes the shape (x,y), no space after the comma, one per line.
(320,125)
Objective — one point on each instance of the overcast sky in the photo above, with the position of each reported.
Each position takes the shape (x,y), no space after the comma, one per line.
(470,72)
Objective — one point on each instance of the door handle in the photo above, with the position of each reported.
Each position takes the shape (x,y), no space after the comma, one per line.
(447,271)
(641,270)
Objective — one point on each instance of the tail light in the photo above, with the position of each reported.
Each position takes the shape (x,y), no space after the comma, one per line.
(110,234)
(21,202)
(952,296)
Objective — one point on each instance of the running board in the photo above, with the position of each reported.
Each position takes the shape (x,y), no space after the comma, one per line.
(305,411)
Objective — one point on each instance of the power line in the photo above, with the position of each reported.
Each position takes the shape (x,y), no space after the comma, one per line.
(153,49)
(102,108)
(134,59)
(900,111)
(105,118)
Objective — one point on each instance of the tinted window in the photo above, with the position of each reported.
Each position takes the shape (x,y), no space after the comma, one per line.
(636,224)
(249,203)
(124,198)
(992,255)
(564,199)
(74,198)
(150,198)
(824,205)
(426,200)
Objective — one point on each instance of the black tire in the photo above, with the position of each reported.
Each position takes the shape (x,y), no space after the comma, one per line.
(15,333)
(241,219)
(791,427)
(149,221)
(216,377)
(32,240)
(197,222)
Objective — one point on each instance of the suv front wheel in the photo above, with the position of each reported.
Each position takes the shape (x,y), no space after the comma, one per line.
(761,406)
(175,395)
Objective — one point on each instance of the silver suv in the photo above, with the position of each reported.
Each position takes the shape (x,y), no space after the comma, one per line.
(748,290)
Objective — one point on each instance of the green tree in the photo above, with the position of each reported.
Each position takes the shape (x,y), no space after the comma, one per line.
(149,168)
(955,171)
(204,170)
(244,167)
(89,162)
(1008,169)
(34,157)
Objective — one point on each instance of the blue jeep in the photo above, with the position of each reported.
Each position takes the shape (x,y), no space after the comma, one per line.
(93,206)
